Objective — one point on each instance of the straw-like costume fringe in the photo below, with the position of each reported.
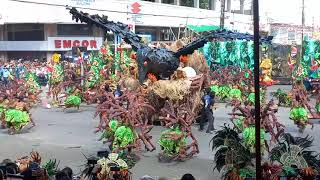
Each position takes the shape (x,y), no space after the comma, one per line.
(130,84)
(173,90)
(197,62)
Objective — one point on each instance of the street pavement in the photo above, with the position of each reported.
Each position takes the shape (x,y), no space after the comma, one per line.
(69,137)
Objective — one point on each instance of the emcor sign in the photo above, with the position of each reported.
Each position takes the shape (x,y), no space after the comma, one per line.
(58,44)
(66,43)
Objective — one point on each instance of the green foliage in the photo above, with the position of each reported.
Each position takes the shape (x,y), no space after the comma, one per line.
(97,63)
(214,89)
(123,136)
(2,109)
(57,74)
(32,82)
(113,124)
(73,101)
(249,136)
(299,114)
(204,4)
(126,58)
(251,97)
(70,90)
(311,52)
(109,132)
(16,118)
(98,60)
(295,151)
(120,136)
(283,98)
(230,53)
(235,94)
(239,123)
(247,172)
(116,63)
(51,166)
(223,92)
(171,147)
(289,171)
(318,107)
(230,153)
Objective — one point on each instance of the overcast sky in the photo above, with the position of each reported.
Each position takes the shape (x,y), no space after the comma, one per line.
(290,10)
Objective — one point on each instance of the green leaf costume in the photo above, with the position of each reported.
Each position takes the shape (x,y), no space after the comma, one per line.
(223,92)
(170,146)
(16,118)
(249,136)
(318,107)
(214,89)
(235,94)
(299,114)
(123,137)
(73,101)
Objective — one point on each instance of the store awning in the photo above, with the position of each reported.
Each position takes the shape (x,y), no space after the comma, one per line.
(203,28)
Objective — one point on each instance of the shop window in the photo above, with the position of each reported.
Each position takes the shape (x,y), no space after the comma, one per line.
(149,0)
(168,1)
(167,35)
(147,32)
(25,32)
(74,30)
(205,4)
(188,3)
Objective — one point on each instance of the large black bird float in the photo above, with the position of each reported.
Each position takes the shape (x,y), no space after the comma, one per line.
(159,61)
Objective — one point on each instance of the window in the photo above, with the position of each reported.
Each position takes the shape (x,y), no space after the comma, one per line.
(205,4)
(188,3)
(168,1)
(74,30)
(147,32)
(149,0)
(25,32)
(291,35)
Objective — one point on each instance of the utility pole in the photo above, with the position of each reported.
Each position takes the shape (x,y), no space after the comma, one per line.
(222,16)
(302,35)
(257,108)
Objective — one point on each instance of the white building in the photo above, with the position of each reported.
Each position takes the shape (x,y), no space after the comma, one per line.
(38,28)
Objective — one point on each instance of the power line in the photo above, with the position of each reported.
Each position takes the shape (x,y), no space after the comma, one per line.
(103,10)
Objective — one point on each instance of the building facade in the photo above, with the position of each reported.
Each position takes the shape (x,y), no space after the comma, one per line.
(287,34)
(35,29)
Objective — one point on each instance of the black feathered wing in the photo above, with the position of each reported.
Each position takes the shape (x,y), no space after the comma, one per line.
(118,28)
(221,35)
(191,47)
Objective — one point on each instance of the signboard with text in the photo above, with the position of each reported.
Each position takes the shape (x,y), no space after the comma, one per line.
(66,43)
(83,2)
(132,26)
(135,10)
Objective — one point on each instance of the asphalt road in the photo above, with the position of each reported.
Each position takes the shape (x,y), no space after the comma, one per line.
(68,136)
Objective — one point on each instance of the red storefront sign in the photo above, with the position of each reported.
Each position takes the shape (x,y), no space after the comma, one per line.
(59,44)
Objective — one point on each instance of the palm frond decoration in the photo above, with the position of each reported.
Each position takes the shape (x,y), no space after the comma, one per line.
(294,152)
(52,167)
(231,155)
